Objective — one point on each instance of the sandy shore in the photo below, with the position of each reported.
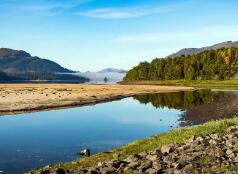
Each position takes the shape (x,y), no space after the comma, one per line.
(19,98)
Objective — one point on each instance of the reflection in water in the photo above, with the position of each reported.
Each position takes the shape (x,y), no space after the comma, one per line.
(181,100)
(198,106)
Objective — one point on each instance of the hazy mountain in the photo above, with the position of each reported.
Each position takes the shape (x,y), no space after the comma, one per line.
(112,70)
(20,65)
(113,75)
(4,77)
(193,51)
(14,61)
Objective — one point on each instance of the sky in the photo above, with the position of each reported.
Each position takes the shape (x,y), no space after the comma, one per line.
(95,34)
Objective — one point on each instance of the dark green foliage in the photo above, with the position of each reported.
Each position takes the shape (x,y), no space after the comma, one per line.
(4,77)
(180,100)
(213,64)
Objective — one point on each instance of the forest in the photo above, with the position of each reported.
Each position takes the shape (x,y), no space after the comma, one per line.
(217,64)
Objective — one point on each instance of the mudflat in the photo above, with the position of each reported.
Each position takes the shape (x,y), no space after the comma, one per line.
(19,98)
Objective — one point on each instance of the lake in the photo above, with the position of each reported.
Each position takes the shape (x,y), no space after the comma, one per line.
(34,140)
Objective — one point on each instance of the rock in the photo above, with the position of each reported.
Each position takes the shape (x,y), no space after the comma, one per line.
(230,143)
(101,164)
(144,166)
(85,152)
(151,171)
(93,172)
(132,158)
(229,151)
(152,157)
(60,171)
(184,147)
(117,163)
(133,165)
(167,148)
(232,129)
(214,136)
(142,154)
(200,140)
(191,139)
(212,142)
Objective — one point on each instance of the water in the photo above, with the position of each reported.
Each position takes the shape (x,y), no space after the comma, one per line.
(34,140)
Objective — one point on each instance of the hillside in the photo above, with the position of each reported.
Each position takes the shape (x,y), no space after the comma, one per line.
(208,65)
(193,51)
(14,61)
(4,77)
(20,65)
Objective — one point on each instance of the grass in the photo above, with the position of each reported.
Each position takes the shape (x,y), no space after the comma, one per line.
(178,135)
(219,84)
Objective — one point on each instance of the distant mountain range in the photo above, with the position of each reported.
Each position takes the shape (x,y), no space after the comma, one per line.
(193,51)
(111,74)
(20,65)
(112,70)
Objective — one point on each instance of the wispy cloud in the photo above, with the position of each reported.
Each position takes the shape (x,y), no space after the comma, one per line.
(196,35)
(47,8)
(130,12)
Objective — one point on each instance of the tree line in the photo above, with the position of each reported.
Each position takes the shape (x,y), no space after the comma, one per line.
(217,64)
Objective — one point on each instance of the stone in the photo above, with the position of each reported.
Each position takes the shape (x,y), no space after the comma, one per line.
(229,151)
(200,140)
(142,154)
(144,166)
(133,165)
(191,139)
(152,157)
(232,129)
(132,158)
(151,171)
(212,142)
(214,136)
(85,152)
(167,148)
(184,147)
(60,171)
(101,164)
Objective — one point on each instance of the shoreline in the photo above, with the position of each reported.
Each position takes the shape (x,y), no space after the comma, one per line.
(27,98)
(176,137)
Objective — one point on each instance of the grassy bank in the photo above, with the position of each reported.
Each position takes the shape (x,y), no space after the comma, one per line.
(218,84)
(178,135)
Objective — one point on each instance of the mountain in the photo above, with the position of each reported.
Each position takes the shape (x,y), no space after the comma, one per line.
(14,61)
(193,51)
(19,65)
(4,77)
(112,70)
(111,74)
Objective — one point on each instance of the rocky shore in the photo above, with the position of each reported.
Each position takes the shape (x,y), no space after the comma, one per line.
(213,153)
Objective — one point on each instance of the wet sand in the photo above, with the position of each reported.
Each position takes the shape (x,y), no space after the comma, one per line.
(20,98)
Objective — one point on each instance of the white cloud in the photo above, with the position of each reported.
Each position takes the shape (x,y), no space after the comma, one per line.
(130,12)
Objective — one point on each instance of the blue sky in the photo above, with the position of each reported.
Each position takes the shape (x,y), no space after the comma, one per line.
(95,34)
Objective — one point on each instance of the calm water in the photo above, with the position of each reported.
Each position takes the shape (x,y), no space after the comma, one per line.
(37,139)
